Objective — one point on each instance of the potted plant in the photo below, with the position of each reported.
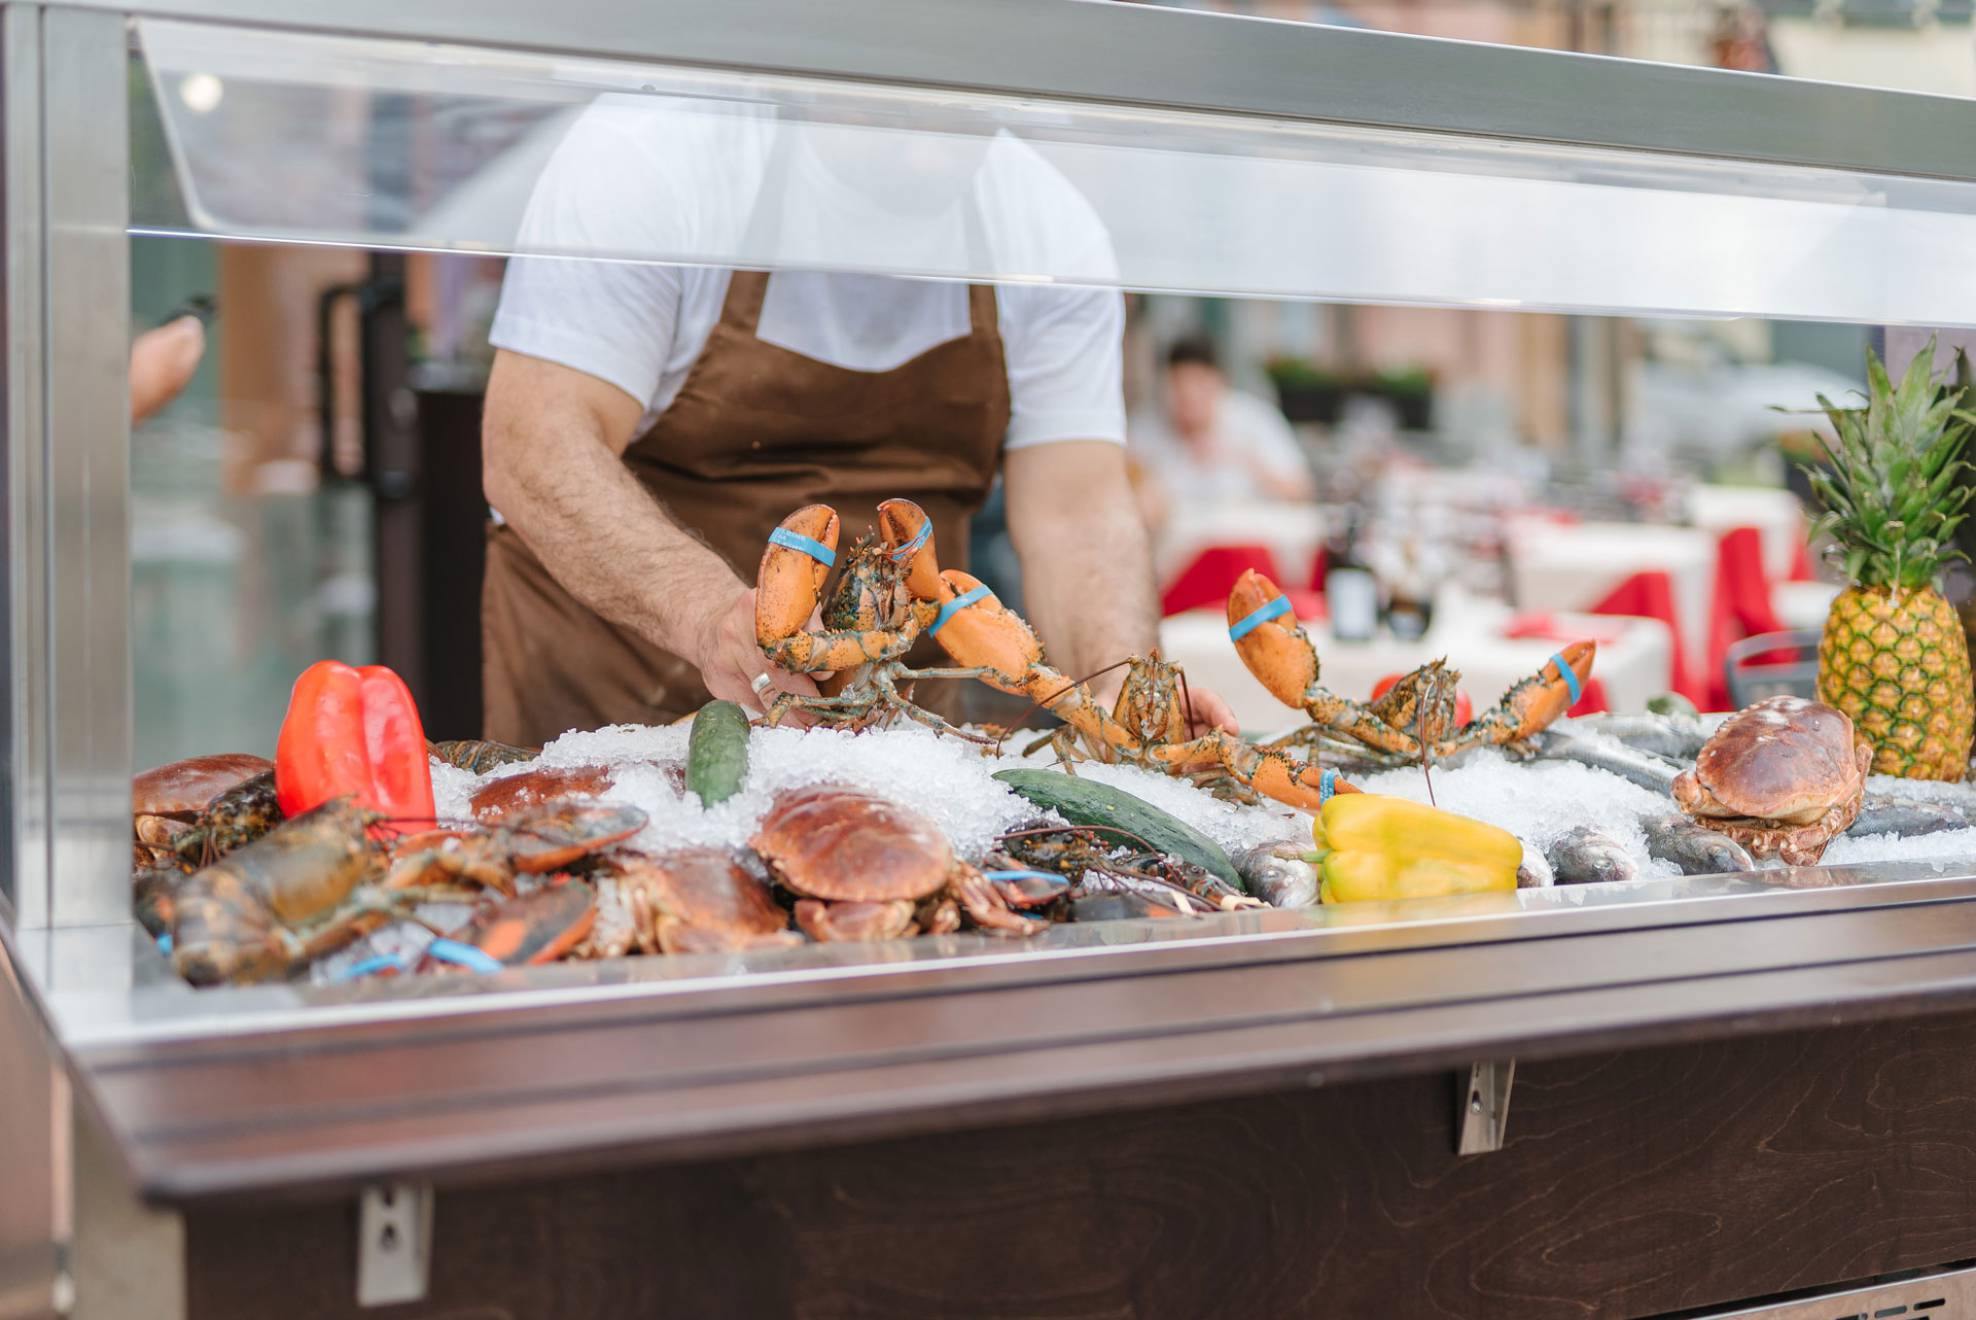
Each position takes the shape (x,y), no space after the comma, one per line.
(1305,391)
(1410,389)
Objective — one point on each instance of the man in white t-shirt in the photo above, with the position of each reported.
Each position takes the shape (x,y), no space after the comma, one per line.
(648,425)
(1210,442)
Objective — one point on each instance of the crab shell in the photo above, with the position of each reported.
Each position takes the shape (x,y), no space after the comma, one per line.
(532,788)
(699,900)
(846,845)
(1782,777)
(166,801)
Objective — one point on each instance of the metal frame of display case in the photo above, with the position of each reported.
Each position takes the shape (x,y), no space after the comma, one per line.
(250,1091)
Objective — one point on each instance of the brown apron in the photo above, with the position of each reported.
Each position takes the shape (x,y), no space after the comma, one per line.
(755,432)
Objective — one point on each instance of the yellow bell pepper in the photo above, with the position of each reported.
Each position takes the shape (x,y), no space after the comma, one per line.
(1386,847)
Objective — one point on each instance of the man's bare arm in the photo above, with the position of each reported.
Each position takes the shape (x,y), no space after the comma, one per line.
(1087,568)
(1087,565)
(552,460)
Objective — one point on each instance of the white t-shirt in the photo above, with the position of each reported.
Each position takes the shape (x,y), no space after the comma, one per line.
(656,177)
(1243,424)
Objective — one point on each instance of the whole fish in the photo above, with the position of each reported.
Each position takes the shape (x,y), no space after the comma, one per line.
(1907,818)
(1278,874)
(1653,773)
(1535,872)
(1587,855)
(1696,849)
(1677,737)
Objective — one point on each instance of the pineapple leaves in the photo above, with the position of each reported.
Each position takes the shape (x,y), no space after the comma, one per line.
(1893,479)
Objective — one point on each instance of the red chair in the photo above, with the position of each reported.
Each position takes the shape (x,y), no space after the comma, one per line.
(1207,580)
(1741,606)
(1650,594)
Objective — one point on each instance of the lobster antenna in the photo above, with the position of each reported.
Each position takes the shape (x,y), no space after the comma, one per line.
(1071,686)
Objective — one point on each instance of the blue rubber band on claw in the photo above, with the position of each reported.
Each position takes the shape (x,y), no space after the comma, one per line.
(955,606)
(1570,677)
(1327,786)
(815,549)
(370,967)
(1028,875)
(1242,627)
(463,955)
(906,548)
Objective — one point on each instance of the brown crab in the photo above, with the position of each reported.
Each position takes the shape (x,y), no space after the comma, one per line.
(693,900)
(169,802)
(864,868)
(1783,778)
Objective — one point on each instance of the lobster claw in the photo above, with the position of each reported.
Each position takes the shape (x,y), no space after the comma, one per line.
(1543,702)
(986,634)
(1280,657)
(908,534)
(790,581)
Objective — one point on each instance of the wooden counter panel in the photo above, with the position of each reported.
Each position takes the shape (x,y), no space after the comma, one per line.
(1631,1184)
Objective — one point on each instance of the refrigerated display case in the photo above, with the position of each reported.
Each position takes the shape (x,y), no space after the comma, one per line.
(1616,1100)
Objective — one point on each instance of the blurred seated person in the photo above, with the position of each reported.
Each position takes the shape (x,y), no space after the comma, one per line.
(1209,442)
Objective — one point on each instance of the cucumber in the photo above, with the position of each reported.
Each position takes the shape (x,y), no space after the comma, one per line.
(1087,802)
(717,752)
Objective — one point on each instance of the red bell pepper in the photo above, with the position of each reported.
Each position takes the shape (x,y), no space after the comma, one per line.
(1464,712)
(353,732)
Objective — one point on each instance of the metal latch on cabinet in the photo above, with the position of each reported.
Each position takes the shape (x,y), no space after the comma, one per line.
(1482,1107)
(394,1243)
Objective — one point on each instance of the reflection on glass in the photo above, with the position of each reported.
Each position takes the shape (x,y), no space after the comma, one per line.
(399,144)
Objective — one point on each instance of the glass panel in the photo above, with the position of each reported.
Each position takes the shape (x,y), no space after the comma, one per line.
(324,140)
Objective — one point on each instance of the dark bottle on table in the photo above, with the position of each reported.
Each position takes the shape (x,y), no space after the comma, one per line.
(1409,597)
(1351,593)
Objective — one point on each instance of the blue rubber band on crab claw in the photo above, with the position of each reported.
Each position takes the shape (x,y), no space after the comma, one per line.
(1570,678)
(1327,786)
(1052,877)
(165,945)
(1242,627)
(906,548)
(955,606)
(463,955)
(815,549)
(383,962)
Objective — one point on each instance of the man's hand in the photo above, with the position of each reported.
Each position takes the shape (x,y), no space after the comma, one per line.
(1207,711)
(162,362)
(729,660)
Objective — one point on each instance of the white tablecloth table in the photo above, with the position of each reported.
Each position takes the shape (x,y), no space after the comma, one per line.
(1468,632)
(1575,566)
(1293,532)
(1776,514)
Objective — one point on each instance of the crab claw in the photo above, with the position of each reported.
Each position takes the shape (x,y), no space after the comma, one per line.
(908,534)
(790,581)
(986,634)
(1280,657)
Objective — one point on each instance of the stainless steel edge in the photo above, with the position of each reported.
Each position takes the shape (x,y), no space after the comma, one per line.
(242,1115)
(1142,55)
(86,196)
(28,842)
(76,960)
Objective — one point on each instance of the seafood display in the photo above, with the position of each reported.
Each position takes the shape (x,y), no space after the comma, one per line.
(1782,778)
(362,850)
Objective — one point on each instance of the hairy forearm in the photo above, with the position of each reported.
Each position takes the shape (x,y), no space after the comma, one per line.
(1088,576)
(565,491)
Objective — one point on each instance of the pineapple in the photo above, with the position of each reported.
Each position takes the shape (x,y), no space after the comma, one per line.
(1893,655)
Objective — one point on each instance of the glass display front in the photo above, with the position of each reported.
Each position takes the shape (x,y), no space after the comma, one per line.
(1131,562)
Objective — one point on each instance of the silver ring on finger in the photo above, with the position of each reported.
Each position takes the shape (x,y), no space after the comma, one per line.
(763,686)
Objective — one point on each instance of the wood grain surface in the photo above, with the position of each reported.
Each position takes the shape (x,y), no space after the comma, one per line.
(1632,1184)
